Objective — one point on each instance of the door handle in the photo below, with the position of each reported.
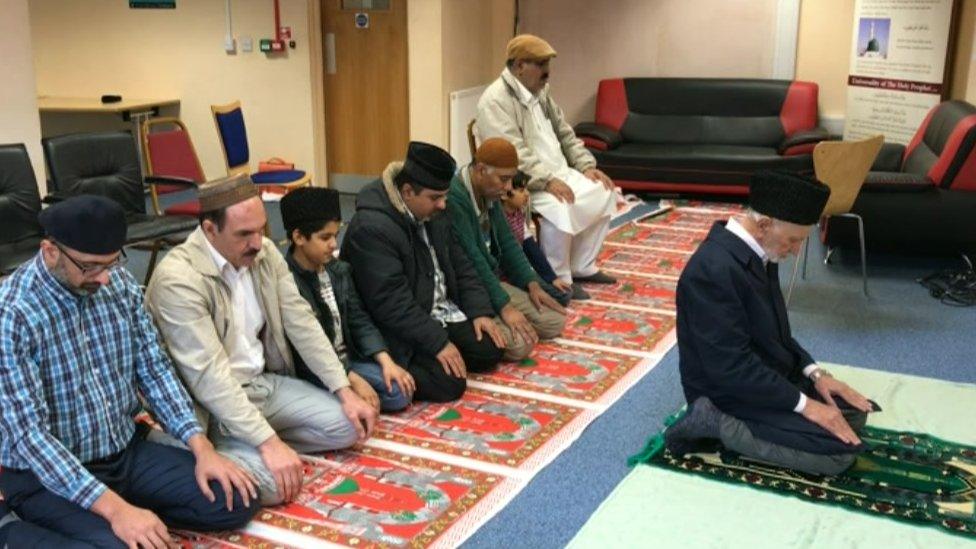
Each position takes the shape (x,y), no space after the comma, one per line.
(330,54)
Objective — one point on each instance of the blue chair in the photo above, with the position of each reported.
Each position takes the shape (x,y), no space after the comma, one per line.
(233,139)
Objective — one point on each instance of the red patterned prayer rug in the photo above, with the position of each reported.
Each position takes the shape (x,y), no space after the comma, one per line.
(563,371)
(623,329)
(373,498)
(518,433)
(646,235)
(680,219)
(644,263)
(703,206)
(653,294)
(223,540)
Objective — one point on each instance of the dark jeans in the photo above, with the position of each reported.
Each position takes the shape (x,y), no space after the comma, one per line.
(436,385)
(148,475)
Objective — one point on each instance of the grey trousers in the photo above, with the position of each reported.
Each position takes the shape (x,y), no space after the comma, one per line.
(547,323)
(736,436)
(307,418)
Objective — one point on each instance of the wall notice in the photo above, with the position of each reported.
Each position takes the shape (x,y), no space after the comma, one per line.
(897,66)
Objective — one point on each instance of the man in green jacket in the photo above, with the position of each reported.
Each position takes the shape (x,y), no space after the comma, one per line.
(527,312)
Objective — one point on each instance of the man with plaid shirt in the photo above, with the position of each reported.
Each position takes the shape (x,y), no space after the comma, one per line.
(76,345)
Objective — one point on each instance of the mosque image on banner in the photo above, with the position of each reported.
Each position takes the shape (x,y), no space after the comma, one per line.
(897,66)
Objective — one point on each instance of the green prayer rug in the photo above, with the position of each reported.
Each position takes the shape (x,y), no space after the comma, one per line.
(911,477)
(668,507)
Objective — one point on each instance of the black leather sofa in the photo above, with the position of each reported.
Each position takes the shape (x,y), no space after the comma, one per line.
(701,135)
(920,197)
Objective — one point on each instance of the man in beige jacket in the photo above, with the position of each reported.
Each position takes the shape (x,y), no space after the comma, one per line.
(574,198)
(226,305)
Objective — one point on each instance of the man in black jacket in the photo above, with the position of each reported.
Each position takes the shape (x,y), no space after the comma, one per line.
(416,281)
(750,383)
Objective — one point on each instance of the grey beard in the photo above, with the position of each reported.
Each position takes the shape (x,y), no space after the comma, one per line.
(58,273)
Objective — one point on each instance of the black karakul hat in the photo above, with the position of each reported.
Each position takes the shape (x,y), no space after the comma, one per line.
(788,196)
(86,223)
(429,166)
(309,204)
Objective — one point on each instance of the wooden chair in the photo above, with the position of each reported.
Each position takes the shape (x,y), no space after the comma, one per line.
(229,120)
(842,166)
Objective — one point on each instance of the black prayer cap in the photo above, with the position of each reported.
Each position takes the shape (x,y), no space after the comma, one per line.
(308,204)
(788,196)
(86,223)
(429,166)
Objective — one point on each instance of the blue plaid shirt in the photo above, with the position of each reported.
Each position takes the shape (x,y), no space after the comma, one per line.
(69,369)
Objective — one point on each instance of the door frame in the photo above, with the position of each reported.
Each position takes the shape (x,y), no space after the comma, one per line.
(316,61)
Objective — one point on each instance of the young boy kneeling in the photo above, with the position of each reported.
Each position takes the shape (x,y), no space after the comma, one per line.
(312,218)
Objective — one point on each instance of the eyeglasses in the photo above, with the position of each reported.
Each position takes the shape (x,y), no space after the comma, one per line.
(95,269)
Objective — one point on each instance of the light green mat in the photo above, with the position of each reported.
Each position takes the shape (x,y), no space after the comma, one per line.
(654,507)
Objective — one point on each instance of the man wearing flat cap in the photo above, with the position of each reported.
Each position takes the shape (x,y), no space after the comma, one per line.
(76,349)
(415,279)
(230,313)
(749,383)
(574,198)
(526,311)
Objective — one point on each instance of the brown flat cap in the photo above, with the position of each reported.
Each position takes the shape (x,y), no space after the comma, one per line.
(498,153)
(529,46)
(221,193)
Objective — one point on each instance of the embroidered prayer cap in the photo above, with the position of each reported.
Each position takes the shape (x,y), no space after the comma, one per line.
(86,223)
(788,196)
(497,153)
(429,166)
(221,193)
(309,204)
(529,47)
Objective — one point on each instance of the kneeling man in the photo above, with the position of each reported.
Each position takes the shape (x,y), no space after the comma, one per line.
(749,383)
(227,306)
(527,312)
(77,350)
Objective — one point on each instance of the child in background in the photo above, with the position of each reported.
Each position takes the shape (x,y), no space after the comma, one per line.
(311,217)
(516,207)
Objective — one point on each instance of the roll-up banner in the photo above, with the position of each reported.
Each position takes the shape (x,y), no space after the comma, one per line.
(898,65)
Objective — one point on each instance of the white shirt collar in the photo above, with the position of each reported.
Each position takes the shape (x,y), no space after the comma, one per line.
(738,230)
(525,96)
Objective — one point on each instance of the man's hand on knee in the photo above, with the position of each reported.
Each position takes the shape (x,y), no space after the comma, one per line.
(541,299)
(829,387)
(361,415)
(831,419)
(452,361)
(285,466)
(136,527)
(519,325)
(558,188)
(212,466)
(598,176)
(485,326)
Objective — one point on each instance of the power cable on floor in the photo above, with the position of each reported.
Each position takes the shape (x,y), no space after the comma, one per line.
(955,287)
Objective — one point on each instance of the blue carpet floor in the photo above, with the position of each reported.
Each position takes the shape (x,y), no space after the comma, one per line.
(900,328)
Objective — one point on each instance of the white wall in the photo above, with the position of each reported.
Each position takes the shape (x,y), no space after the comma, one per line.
(620,38)
(19,122)
(95,47)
